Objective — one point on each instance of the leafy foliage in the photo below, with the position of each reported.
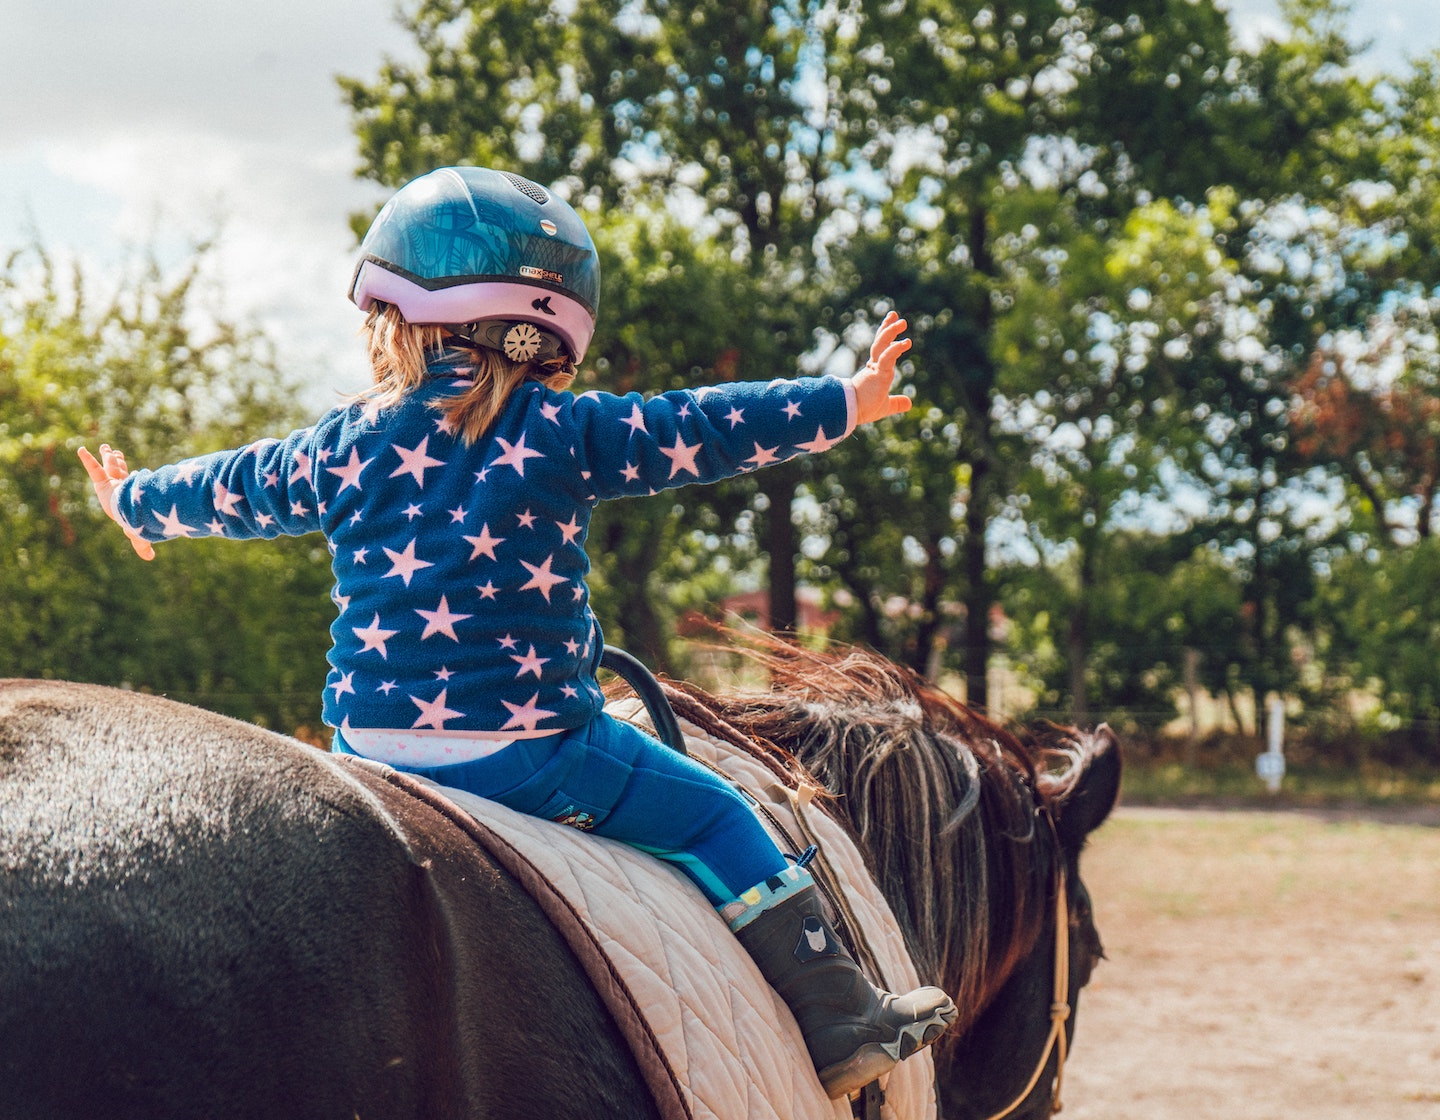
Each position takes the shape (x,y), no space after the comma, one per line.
(239,628)
(1380,625)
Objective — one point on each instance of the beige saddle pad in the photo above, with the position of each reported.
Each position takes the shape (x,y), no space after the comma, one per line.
(729,1042)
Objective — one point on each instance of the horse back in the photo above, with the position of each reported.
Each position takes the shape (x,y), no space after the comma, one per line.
(203,918)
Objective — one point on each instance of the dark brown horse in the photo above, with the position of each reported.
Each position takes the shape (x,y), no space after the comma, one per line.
(199,918)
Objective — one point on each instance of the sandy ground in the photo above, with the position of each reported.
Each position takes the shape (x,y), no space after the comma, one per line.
(1261,965)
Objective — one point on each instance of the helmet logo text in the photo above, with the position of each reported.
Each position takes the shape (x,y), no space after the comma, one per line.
(530,272)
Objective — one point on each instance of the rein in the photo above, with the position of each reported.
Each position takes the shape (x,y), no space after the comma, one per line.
(1059,1008)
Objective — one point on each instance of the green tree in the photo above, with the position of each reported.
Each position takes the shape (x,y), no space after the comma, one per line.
(657,558)
(240,629)
(1364,411)
(741,115)
(1016,143)
(1167,601)
(888,502)
(1380,626)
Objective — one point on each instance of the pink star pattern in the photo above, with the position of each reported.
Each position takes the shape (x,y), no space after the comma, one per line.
(225,502)
(682,456)
(527,715)
(569,529)
(414,461)
(374,636)
(349,474)
(515,454)
(529,663)
(635,421)
(172,526)
(542,579)
(763,456)
(434,713)
(405,563)
(441,620)
(484,544)
(818,444)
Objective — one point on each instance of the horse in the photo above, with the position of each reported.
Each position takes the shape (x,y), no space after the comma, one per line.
(199,917)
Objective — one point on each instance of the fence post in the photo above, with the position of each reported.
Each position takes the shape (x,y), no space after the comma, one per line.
(1270,765)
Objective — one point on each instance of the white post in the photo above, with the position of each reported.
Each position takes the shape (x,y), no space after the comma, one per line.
(1270,766)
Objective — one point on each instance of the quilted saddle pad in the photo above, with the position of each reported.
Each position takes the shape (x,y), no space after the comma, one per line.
(729,1043)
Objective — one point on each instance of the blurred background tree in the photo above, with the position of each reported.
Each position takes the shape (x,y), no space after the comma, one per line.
(241,628)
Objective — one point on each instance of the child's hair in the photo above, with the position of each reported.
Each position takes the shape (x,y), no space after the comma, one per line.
(400,353)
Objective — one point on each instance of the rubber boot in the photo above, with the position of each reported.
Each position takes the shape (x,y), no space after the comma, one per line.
(854,1031)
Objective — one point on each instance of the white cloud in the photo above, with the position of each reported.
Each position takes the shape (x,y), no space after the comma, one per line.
(1394,30)
(90,67)
(161,122)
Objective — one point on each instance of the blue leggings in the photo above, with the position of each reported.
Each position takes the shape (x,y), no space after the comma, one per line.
(612,779)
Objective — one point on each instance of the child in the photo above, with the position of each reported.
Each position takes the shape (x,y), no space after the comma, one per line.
(455,494)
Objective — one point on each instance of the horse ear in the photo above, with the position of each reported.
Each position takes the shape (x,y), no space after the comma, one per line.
(1083,807)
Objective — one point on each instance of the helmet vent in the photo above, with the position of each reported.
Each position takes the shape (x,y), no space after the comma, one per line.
(532,191)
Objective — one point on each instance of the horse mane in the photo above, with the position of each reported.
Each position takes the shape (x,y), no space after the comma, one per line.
(950,808)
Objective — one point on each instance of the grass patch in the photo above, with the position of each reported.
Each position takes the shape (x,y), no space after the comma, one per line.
(1168,782)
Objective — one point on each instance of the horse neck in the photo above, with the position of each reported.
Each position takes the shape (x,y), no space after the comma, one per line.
(948,820)
(963,855)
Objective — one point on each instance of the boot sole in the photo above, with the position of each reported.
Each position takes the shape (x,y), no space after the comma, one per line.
(875,1059)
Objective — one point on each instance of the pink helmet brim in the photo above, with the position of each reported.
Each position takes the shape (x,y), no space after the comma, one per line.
(484,299)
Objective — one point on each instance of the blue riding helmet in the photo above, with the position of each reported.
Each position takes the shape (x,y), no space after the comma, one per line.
(464,244)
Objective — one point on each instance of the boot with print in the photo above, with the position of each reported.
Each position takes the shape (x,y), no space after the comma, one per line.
(854,1031)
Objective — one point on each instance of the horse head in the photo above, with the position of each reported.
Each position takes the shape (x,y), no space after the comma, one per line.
(1009,1065)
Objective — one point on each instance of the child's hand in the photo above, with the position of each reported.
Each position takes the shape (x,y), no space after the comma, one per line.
(873,399)
(105,477)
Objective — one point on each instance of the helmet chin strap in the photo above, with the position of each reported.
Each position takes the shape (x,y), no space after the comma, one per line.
(519,341)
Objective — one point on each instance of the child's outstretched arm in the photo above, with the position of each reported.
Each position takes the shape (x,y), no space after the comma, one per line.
(873,399)
(105,476)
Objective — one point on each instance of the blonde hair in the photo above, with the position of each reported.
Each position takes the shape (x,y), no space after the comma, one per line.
(400,355)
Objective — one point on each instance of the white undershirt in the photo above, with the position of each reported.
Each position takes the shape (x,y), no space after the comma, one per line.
(418,748)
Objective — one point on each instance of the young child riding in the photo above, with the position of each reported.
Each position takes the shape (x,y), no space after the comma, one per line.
(455,494)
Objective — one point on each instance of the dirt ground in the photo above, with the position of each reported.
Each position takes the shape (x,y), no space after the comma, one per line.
(1261,965)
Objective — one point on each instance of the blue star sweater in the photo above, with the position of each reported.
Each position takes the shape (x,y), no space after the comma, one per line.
(460,570)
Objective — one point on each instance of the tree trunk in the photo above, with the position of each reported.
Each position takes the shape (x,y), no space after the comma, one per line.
(979,389)
(1077,631)
(1077,652)
(922,656)
(1262,680)
(977,591)
(1192,690)
(781,543)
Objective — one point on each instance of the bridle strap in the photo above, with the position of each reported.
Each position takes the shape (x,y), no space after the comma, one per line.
(1059,1009)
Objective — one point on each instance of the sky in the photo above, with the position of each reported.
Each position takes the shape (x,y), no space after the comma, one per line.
(161,122)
